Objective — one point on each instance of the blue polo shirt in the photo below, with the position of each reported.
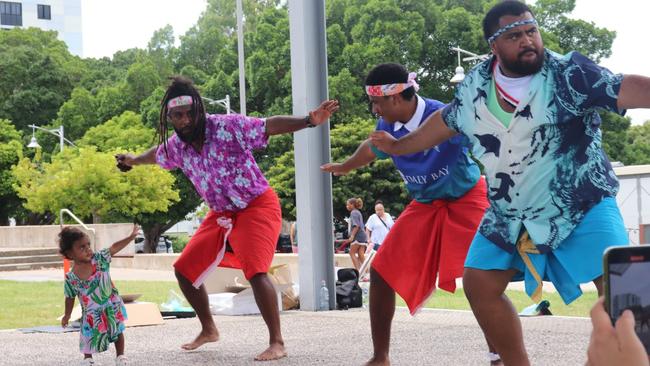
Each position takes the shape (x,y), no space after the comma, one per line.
(443,172)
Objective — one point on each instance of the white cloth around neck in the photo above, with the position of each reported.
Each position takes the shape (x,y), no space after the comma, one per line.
(516,88)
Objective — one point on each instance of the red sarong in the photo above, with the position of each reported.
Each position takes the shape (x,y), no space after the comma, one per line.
(430,239)
(252,233)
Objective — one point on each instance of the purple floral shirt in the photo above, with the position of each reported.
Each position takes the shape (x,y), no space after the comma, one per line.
(225,173)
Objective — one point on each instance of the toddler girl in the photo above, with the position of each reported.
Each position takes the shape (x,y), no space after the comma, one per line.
(103,315)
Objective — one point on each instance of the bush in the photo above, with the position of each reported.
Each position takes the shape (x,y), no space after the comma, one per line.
(179,241)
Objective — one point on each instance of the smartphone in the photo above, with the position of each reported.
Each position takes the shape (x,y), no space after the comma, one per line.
(627,286)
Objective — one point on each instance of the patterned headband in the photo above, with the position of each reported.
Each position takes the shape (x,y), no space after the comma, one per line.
(391,89)
(183,100)
(509,27)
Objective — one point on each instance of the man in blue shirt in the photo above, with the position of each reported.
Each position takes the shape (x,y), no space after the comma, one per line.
(432,235)
(532,119)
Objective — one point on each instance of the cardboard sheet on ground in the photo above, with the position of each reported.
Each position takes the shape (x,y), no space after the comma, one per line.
(138,314)
(281,277)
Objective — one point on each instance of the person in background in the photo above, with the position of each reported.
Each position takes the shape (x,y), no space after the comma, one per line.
(357,235)
(378,225)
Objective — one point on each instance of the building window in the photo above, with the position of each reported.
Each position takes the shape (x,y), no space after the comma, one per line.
(11,13)
(44,12)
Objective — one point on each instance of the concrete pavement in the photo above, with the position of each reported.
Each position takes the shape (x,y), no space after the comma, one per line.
(433,337)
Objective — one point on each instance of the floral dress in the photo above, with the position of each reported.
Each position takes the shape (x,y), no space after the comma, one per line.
(104,313)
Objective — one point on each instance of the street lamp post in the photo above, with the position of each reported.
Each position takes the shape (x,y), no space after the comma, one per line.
(225,102)
(460,72)
(58,132)
(240,57)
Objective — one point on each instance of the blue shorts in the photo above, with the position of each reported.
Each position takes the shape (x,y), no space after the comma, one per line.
(578,259)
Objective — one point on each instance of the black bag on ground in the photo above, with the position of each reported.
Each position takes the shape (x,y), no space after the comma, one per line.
(284,244)
(348,292)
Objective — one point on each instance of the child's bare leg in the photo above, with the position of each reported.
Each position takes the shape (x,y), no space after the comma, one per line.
(198,298)
(267,301)
(87,355)
(119,345)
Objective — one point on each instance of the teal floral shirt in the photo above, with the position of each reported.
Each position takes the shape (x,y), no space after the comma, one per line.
(104,314)
(548,168)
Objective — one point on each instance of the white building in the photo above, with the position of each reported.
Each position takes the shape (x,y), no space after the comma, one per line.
(634,201)
(63,16)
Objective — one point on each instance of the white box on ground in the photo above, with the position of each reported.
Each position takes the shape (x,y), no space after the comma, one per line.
(242,303)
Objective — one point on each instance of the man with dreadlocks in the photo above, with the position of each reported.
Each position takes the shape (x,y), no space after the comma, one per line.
(531,117)
(242,227)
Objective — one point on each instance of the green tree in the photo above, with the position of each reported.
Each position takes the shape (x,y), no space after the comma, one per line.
(78,114)
(141,80)
(217,87)
(37,75)
(615,130)
(113,100)
(88,183)
(162,51)
(11,151)
(196,75)
(122,132)
(150,108)
(637,145)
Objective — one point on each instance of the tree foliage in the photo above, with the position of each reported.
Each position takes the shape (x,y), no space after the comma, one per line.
(11,151)
(87,182)
(37,75)
(112,104)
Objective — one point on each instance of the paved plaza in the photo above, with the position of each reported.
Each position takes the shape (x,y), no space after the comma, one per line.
(433,337)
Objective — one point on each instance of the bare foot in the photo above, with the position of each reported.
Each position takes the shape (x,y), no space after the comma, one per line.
(496,363)
(274,352)
(201,339)
(376,361)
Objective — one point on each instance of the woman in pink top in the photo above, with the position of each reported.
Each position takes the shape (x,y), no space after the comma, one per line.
(216,153)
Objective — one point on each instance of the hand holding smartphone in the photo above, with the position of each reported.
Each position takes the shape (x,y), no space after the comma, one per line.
(627,286)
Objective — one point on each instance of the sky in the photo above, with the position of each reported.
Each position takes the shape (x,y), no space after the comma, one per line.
(110,26)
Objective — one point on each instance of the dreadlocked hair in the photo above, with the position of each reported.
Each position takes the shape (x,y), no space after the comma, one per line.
(181,85)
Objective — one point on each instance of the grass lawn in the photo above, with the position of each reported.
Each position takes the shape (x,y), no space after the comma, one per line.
(30,304)
(580,307)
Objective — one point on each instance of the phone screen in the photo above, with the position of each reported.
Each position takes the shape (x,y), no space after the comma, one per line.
(629,288)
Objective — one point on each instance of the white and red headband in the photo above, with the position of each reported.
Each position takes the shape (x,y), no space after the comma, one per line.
(179,101)
(392,89)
